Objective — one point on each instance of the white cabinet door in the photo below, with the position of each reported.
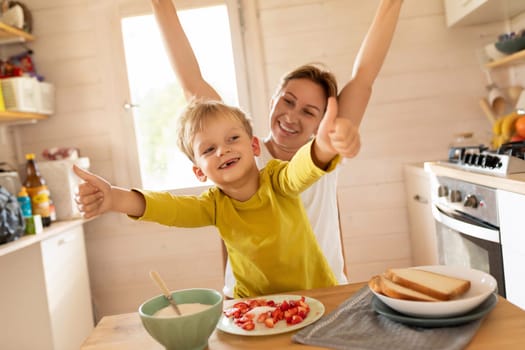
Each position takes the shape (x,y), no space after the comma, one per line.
(67,285)
(470,12)
(512,230)
(422,224)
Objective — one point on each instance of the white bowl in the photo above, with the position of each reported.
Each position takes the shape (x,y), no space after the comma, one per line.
(481,286)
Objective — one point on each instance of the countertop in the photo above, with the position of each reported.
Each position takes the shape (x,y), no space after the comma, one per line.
(513,183)
(502,328)
(54,229)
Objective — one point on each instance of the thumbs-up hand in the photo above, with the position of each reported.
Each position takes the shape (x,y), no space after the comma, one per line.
(94,194)
(345,138)
(336,135)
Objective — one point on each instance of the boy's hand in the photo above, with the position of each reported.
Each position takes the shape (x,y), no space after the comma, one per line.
(337,135)
(94,194)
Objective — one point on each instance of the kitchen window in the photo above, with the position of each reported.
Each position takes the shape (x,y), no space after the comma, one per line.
(156,96)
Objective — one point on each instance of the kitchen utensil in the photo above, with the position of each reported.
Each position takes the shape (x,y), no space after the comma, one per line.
(496,99)
(514,92)
(160,282)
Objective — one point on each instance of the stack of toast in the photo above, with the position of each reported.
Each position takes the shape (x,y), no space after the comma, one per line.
(418,285)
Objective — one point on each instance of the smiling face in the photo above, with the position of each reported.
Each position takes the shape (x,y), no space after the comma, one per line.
(224,152)
(296,113)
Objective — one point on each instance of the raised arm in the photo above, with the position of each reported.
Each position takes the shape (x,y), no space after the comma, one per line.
(354,97)
(180,52)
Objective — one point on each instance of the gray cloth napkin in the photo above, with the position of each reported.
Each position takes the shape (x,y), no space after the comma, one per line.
(355,325)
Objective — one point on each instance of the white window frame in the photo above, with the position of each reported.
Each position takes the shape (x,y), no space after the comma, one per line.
(127,168)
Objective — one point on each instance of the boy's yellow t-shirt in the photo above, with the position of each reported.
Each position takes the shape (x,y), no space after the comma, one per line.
(270,242)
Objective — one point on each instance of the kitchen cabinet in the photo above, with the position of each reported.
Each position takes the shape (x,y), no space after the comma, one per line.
(45,296)
(421,222)
(9,35)
(511,207)
(471,12)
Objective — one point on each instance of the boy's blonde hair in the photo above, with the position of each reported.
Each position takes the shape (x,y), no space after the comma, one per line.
(194,117)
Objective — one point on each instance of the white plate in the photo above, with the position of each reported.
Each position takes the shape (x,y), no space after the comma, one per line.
(481,286)
(316,311)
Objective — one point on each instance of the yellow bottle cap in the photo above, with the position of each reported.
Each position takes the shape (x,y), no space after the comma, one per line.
(23,192)
(30,156)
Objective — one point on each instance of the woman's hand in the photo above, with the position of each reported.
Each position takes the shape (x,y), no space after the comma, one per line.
(335,136)
(345,138)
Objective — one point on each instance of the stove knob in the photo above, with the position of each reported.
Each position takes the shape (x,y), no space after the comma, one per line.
(481,160)
(471,201)
(489,161)
(442,191)
(493,162)
(455,196)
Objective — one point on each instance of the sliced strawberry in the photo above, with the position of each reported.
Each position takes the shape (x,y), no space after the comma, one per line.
(292,311)
(295,319)
(248,326)
(303,312)
(262,317)
(269,322)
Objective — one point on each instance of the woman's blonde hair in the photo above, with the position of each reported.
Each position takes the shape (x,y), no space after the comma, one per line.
(315,73)
(194,117)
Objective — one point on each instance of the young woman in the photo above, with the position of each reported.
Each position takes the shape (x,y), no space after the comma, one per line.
(296,111)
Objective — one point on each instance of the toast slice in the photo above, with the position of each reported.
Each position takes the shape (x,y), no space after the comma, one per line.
(436,285)
(383,285)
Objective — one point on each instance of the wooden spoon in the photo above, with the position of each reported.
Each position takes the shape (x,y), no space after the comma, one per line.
(162,285)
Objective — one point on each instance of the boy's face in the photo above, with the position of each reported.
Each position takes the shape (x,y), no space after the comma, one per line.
(224,152)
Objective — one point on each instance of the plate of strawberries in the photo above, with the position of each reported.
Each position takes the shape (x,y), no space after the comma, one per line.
(268,315)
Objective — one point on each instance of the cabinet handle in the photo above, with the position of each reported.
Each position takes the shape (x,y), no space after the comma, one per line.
(128,106)
(420,199)
(65,240)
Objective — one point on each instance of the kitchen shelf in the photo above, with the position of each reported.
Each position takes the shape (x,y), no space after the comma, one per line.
(10,34)
(507,60)
(7,116)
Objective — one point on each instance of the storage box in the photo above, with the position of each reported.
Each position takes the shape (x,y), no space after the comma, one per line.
(25,94)
(63,184)
(19,94)
(45,98)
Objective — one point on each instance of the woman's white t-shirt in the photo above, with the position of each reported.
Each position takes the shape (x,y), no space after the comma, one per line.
(320,202)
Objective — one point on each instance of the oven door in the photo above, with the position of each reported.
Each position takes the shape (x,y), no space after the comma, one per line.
(465,241)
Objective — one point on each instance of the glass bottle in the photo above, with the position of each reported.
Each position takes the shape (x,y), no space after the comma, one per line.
(37,190)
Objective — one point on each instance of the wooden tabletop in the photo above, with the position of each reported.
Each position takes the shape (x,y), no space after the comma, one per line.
(503,328)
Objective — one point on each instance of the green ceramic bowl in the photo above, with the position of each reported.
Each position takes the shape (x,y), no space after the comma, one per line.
(187,332)
(512,45)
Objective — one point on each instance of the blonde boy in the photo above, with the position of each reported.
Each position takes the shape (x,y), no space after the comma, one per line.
(259,214)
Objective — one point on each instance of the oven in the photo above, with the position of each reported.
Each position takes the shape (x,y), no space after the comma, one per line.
(467,226)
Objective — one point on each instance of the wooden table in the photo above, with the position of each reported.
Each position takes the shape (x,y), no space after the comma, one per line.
(502,329)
